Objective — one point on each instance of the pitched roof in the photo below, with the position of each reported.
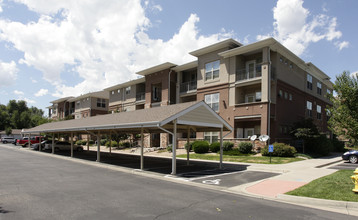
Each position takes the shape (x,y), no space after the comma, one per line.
(198,115)
(98,94)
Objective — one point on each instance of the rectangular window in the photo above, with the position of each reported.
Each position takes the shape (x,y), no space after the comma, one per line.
(280,93)
(309,109)
(212,70)
(112,92)
(211,136)
(290,97)
(286,95)
(319,88)
(157,92)
(328,113)
(213,101)
(309,81)
(328,93)
(101,103)
(258,97)
(319,112)
(128,90)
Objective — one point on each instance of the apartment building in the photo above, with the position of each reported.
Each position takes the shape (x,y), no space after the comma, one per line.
(259,88)
(90,104)
(60,108)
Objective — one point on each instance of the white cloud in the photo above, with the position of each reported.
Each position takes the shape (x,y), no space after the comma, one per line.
(104,43)
(354,74)
(294,30)
(29,101)
(41,92)
(8,73)
(341,45)
(1,3)
(17,92)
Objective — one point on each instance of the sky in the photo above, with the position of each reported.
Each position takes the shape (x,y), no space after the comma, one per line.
(51,49)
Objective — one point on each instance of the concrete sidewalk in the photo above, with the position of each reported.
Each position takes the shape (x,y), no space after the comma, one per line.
(295,175)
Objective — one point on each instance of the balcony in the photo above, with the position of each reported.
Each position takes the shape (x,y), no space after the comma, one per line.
(140,96)
(247,74)
(188,87)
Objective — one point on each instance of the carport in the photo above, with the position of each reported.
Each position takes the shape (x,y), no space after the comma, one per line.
(172,119)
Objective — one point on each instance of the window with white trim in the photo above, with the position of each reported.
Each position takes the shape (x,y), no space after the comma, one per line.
(212,70)
(309,81)
(319,88)
(328,113)
(112,92)
(319,112)
(309,109)
(328,93)
(211,136)
(213,101)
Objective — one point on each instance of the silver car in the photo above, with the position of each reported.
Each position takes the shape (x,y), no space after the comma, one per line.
(63,145)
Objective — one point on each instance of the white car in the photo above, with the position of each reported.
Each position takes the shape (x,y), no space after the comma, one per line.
(6,140)
(63,145)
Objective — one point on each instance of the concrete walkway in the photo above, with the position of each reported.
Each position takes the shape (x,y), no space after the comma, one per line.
(292,176)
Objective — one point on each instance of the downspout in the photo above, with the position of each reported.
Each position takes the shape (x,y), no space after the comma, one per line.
(269,93)
(169,86)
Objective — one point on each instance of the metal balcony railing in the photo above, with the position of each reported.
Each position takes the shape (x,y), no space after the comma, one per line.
(140,96)
(246,74)
(188,86)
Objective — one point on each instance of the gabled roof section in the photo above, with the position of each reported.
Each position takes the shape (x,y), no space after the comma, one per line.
(61,100)
(186,66)
(217,46)
(157,68)
(126,84)
(198,115)
(98,94)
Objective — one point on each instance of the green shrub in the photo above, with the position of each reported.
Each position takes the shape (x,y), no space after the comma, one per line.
(103,142)
(91,142)
(214,147)
(338,146)
(84,142)
(227,145)
(200,147)
(320,146)
(233,152)
(245,147)
(114,144)
(169,148)
(279,150)
(190,146)
(79,142)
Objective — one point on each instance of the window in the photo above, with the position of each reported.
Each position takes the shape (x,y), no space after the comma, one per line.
(212,70)
(211,136)
(286,95)
(258,97)
(309,109)
(280,93)
(112,92)
(281,59)
(328,93)
(118,91)
(290,97)
(319,88)
(213,101)
(328,113)
(319,112)
(291,66)
(101,103)
(249,98)
(128,90)
(309,81)
(78,103)
(157,92)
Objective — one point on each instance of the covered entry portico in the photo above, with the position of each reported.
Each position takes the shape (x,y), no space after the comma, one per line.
(172,119)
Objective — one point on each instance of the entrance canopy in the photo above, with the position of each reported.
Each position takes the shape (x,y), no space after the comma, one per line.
(198,115)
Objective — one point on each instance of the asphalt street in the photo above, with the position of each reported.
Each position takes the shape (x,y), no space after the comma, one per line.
(36,186)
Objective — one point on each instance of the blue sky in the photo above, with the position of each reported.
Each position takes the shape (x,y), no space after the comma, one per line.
(52,49)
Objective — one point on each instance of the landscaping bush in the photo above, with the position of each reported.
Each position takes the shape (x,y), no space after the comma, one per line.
(279,150)
(124,144)
(245,147)
(190,146)
(214,147)
(79,142)
(227,145)
(91,142)
(169,148)
(320,146)
(103,142)
(233,152)
(84,142)
(114,144)
(200,147)
(338,146)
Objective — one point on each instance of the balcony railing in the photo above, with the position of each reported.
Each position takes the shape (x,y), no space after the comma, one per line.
(140,96)
(187,86)
(246,74)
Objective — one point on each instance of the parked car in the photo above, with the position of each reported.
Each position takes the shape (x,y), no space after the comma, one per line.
(25,141)
(6,140)
(43,143)
(63,145)
(351,156)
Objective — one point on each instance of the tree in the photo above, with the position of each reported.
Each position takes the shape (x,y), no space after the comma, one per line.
(305,130)
(344,111)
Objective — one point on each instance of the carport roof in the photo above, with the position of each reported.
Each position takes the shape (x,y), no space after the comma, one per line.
(198,115)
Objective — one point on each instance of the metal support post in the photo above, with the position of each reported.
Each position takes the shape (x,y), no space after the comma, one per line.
(141,148)
(71,144)
(174,148)
(221,148)
(98,147)
(53,143)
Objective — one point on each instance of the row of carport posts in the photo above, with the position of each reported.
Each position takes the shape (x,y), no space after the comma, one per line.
(174,136)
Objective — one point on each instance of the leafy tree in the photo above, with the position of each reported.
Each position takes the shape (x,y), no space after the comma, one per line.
(305,130)
(8,131)
(344,111)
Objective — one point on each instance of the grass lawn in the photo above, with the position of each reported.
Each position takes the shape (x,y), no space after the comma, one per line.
(243,159)
(337,186)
